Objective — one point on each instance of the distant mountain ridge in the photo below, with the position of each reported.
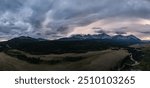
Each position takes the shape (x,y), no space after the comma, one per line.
(87,37)
(75,43)
(104,36)
(130,39)
(99,37)
(26,39)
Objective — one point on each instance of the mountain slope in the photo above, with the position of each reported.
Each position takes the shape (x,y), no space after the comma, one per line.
(26,39)
(126,39)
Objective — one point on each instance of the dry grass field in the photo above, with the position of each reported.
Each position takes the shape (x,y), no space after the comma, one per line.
(95,60)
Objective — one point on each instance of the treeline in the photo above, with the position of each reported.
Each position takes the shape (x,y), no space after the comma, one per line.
(59,47)
(38,60)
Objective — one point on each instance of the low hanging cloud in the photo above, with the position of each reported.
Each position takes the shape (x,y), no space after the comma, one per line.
(57,18)
(100,30)
(147,32)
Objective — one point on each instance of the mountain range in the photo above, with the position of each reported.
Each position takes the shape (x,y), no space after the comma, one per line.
(104,36)
(96,37)
(74,43)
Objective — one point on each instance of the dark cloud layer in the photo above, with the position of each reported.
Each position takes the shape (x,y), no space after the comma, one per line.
(55,18)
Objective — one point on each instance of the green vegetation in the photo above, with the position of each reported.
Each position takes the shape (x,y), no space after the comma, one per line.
(36,60)
(145,62)
(23,57)
(60,47)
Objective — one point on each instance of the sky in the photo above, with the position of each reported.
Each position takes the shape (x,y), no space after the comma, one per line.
(52,19)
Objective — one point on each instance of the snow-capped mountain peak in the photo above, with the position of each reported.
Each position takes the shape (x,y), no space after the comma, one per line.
(96,36)
(104,36)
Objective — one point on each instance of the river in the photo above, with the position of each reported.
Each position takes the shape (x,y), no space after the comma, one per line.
(132,60)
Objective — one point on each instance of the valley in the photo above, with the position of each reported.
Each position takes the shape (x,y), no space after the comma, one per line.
(144,61)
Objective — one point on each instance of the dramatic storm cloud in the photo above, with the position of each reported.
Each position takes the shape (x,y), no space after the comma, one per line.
(53,19)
